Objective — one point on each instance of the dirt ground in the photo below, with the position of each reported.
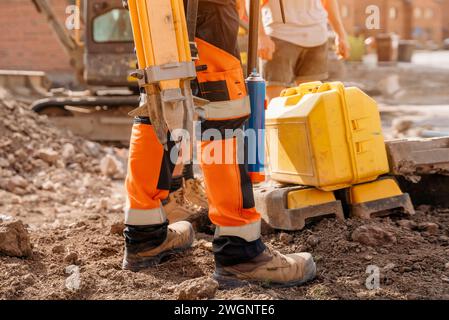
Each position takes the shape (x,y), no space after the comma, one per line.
(415,267)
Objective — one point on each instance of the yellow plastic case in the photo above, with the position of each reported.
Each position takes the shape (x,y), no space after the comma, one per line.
(326,136)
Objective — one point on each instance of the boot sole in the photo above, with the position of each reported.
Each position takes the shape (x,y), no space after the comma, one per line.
(144,263)
(232,282)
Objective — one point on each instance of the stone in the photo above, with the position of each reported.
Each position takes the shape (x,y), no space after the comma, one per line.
(14,184)
(48,155)
(430,227)
(14,239)
(103,204)
(94,217)
(90,203)
(92,149)
(197,289)
(390,266)
(4,163)
(48,185)
(71,258)
(205,245)
(58,249)
(313,241)
(4,218)
(111,167)
(28,279)
(18,181)
(408,224)
(373,236)
(68,151)
(117,228)
(286,238)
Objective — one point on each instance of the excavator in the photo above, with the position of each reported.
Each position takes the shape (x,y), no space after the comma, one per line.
(102,56)
(102,60)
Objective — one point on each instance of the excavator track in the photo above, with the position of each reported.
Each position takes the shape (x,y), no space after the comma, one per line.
(99,118)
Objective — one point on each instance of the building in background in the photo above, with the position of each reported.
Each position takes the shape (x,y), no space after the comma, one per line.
(421,20)
(347,10)
(27,42)
(445,19)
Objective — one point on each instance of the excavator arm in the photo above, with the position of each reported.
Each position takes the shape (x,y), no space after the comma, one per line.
(73,48)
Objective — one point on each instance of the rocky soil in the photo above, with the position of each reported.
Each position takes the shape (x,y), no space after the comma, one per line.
(61,202)
(82,260)
(48,175)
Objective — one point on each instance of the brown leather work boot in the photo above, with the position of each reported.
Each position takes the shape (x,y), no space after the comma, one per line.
(195,192)
(271,269)
(179,208)
(180,236)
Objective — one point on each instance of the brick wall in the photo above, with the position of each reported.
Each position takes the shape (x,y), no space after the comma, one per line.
(26,40)
(419,19)
(394,17)
(445,19)
(428,20)
(347,10)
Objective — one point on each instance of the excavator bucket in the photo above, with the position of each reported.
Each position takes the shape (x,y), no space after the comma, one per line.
(25,85)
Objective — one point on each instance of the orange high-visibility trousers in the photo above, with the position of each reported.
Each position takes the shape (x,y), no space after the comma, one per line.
(149,176)
(228,186)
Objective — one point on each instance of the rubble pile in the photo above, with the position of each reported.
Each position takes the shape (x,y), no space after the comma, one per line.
(40,163)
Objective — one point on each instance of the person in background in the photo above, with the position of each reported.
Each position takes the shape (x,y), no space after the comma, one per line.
(296,51)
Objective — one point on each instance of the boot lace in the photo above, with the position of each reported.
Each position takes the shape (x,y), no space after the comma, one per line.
(276,254)
(198,188)
(181,200)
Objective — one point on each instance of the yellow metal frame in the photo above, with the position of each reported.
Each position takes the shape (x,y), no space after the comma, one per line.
(380,189)
(160,34)
(308,197)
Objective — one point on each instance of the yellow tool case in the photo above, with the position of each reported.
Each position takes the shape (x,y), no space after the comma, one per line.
(326,136)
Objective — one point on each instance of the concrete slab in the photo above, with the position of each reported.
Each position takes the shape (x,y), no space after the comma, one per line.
(419,157)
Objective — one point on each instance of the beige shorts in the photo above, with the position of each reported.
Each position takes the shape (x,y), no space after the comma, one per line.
(292,63)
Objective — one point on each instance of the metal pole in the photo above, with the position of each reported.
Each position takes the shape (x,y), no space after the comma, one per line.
(281,3)
(192,14)
(254,17)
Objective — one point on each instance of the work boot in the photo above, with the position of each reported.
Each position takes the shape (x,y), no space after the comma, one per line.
(140,256)
(271,269)
(195,192)
(179,208)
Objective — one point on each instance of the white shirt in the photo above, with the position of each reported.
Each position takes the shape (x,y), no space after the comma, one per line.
(306,22)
